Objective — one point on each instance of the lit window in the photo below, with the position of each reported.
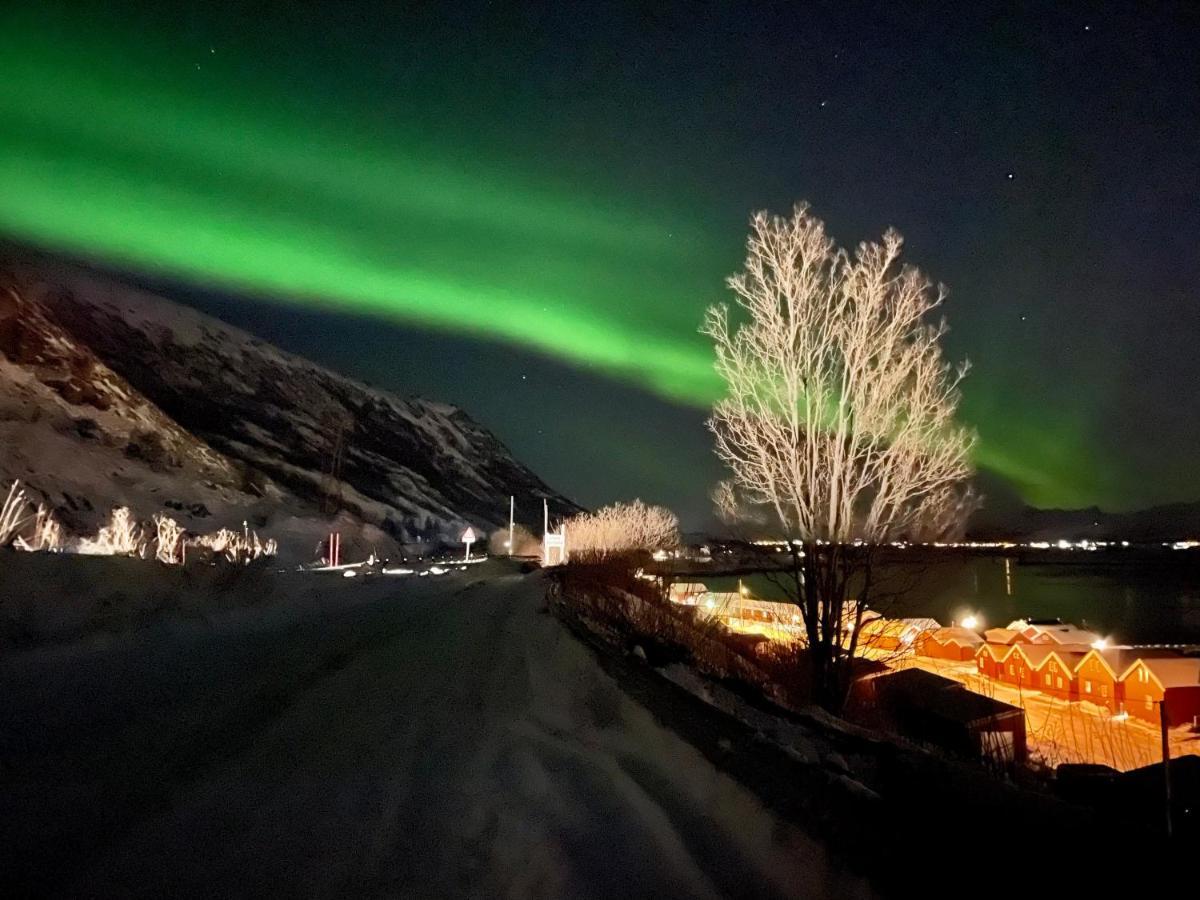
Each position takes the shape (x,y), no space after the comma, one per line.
(1010,668)
(1149,702)
(1047,679)
(1058,683)
(1087,687)
(1104,690)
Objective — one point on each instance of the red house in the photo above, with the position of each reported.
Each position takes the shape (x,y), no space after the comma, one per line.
(1055,675)
(990,659)
(949,643)
(1174,682)
(1098,676)
(1016,668)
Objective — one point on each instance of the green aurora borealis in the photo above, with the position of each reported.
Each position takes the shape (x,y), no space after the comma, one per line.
(158,149)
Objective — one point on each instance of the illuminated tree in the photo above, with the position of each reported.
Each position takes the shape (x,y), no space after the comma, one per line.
(168,540)
(620,529)
(838,419)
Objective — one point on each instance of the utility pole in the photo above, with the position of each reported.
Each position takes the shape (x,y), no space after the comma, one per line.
(1166,755)
(512,507)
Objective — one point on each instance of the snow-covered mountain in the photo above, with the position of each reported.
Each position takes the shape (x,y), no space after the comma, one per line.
(109,394)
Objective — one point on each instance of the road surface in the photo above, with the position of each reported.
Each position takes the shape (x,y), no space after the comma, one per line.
(426,737)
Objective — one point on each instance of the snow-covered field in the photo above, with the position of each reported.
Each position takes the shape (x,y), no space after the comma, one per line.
(437,736)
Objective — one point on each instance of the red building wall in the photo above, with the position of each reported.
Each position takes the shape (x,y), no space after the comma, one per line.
(1142,696)
(1061,679)
(1183,704)
(1105,689)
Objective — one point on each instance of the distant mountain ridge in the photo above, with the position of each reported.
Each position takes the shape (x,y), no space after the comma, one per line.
(205,414)
(1167,522)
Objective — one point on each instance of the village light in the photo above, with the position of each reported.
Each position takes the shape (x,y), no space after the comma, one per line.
(970,621)
(709,603)
(1100,644)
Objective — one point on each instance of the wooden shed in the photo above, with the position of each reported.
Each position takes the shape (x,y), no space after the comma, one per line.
(937,710)
(1173,681)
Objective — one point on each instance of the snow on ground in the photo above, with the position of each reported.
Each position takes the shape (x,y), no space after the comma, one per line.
(414,736)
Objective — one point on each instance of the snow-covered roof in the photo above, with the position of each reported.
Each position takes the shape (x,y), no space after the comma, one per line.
(1176,672)
(998,652)
(881,627)
(1037,654)
(1001,636)
(956,634)
(1062,634)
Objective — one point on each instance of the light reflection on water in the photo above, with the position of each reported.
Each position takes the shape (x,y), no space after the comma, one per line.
(1130,597)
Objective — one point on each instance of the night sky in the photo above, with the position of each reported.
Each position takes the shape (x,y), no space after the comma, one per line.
(525,211)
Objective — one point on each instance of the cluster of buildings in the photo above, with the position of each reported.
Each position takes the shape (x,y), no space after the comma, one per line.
(1058,659)
(1072,664)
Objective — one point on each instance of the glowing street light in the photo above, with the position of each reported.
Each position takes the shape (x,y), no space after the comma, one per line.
(970,621)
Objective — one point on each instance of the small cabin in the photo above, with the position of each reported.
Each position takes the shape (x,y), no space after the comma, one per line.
(1170,682)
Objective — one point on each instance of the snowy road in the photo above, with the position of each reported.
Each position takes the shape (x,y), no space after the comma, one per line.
(416,737)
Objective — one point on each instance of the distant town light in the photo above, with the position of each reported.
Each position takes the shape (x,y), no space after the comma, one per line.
(970,621)
(1100,644)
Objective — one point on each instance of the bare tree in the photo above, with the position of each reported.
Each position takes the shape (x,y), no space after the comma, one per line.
(621,528)
(838,420)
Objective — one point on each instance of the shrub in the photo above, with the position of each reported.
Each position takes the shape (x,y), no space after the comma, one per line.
(620,530)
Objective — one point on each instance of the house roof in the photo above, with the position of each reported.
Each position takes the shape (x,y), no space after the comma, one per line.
(1170,672)
(1037,654)
(688,587)
(945,698)
(897,627)
(998,652)
(956,634)
(1001,636)
(1062,634)
(1118,660)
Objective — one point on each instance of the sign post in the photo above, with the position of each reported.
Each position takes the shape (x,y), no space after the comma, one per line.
(468,538)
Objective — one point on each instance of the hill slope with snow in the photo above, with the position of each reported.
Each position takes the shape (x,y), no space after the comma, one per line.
(115,395)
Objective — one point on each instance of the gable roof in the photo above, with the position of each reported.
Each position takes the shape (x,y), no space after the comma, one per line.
(1061,634)
(1169,672)
(880,627)
(1002,636)
(1118,660)
(998,652)
(1037,655)
(956,634)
